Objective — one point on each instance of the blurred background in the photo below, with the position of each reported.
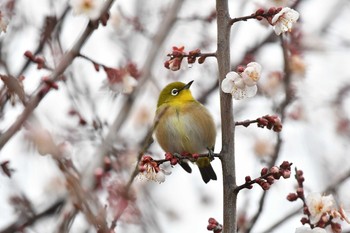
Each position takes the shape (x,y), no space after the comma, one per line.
(93,110)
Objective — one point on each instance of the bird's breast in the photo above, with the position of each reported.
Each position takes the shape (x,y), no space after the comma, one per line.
(189,128)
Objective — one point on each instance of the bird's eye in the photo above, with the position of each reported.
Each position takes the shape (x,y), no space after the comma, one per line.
(174,92)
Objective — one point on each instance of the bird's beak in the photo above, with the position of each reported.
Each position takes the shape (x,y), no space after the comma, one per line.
(188,85)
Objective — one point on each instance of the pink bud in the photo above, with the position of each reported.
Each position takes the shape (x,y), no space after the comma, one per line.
(336,227)
(29,55)
(240,69)
(168,156)
(292,197)
(272,11)
(259,11)
(173,161)
(201,59)
(274,170)
(286,174)
(270,179)
(304,220)
(264,171)
(265,186)
(212,221)
(195,156)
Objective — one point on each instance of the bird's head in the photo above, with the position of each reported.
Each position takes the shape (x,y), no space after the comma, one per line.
(175,93)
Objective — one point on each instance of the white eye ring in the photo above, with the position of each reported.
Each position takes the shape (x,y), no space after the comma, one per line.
(174,92)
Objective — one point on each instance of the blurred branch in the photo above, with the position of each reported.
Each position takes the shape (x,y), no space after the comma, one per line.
(42,90)
(51,24)
(282,109)
(22,223)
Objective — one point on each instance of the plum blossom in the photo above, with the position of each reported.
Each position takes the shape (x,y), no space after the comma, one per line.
(90,8)
(150,170)
(319,205)
(242,85)
(309,230)
(283,21)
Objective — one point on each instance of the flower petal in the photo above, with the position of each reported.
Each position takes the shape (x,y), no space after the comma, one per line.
(228,83)
(251,91)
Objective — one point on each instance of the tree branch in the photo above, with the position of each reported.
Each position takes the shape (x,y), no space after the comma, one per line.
(227,154)
(66,61)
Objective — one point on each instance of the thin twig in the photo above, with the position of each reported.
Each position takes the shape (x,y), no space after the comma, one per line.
(20,224)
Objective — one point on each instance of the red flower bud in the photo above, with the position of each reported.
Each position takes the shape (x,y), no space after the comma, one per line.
(212,221)
(336,227)
(275,170)
(173,161)
(259,11)
(270,179)
(292,197)
(265,186)
(272,11)
(264,171)
(201,59)
(195,156)
(29,55)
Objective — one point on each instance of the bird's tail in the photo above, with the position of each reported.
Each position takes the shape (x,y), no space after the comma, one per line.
(206,169)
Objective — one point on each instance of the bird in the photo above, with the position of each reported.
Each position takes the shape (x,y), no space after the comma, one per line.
(185,126)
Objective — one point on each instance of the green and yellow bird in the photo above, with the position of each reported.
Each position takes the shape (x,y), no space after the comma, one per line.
(185,126)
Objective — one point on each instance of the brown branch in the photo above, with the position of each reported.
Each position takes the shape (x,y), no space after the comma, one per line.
(227,153)
(20,223)
(66,61)
(51,24)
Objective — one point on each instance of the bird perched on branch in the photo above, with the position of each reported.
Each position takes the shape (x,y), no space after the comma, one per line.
(185,126)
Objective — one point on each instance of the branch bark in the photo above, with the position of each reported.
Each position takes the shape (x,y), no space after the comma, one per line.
(227,120)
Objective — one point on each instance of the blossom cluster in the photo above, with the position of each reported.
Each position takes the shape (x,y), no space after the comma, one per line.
(268,176)
(320,210)
(243,83)
(282,19)
(178,54)
(150,170)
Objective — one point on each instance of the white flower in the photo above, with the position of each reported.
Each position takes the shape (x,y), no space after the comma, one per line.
(90,8)
(309,230)
(283,21)
(251,74)
(151,174)
(319,205)
(242,85)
